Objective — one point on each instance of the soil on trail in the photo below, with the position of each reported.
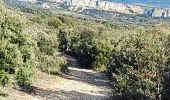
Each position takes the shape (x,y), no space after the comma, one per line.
(77,84)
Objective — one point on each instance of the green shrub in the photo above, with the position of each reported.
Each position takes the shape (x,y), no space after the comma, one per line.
(13,59)
(4,78)
(37,19)
(51,64)
(103,49)
(47,43)
(25,76)
(67,21)
(92,48)
(55,22)
(36,11)
(137,64)
(16,48)
(77,44)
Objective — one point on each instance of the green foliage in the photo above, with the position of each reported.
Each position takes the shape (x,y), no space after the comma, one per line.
(87,45)
(4,95)
(25,76)
(137,57)
(4,78)
(138,62)
(56,23)
(81,45)
(16,50)
(19,50)
(36,11)
(47,43)
(64,22)
(51,64)
(37,19)
(68,21)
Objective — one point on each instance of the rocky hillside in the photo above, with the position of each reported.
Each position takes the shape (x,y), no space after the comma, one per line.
(155,3)
(80,5)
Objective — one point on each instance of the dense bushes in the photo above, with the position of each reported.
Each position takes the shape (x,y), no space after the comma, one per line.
(25,76)
(52,65)
(22,51)
(16,50)
(137,58)
(47,43)
(91,47)
(138,63)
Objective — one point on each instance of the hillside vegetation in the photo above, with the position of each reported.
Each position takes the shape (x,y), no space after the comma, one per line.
(135,58)
(24,50)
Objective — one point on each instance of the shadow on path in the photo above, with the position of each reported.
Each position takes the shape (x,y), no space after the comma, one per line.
(44,94)
(87,85)
(85,75)
(97,79)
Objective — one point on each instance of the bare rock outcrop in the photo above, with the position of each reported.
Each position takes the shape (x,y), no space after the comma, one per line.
(106,5)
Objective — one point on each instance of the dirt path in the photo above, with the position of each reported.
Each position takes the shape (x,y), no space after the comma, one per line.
(85,84)
(78,84)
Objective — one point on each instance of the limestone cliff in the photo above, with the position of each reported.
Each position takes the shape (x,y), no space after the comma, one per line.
(105,5)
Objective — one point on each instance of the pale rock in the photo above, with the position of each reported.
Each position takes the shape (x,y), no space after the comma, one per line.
(79,5)
(32,1)
(45,5)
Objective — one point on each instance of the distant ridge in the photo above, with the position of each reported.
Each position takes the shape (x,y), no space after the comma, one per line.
(154,3)
(81,5)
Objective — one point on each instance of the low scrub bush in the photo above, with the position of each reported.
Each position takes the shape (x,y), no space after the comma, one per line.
(16,50)
(47,43)
(4,78)
(22,52)
(138,63)
(55,22)
(25,76)
(51,64)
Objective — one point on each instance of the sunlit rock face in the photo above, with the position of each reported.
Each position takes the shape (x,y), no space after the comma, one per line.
(83,3)
(121,8)
(161,13)
(110,6)
(32,1)
(104,5)
(136,9)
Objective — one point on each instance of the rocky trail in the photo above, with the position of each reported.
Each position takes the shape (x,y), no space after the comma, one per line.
(77,84)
